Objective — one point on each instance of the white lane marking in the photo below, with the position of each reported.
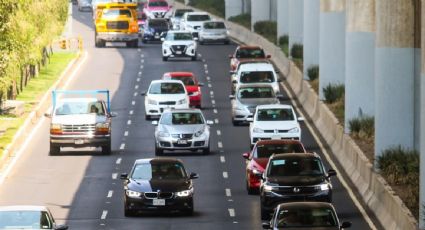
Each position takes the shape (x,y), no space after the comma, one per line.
(200,55)
(218,132)
(114,176)
(208,78)
(140,73)
(136,86)
(139,50)
(235,222)
(209,85)
(138,79)
(118,161)
(215,111)
(206,71)
(135,94)
(222,159)
(133,102)
(225,175)
(203,60)
(142,61)
(228,192)
(131,112)
(122,146)
(206,66)
(212,92)
(141,67)
(129,122)
(104,214)
(142,55)
(216,121)
(231,212)
(110,194)
(220,145)
(213,102)
(126,133)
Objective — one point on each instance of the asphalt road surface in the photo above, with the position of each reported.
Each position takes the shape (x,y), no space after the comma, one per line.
(83,189)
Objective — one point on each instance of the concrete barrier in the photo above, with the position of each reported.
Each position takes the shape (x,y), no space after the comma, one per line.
(374,190)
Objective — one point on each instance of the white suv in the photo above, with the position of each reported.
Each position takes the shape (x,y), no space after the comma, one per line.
(164,94)
(192,22)
(274,122)
(256,73)
(178,44)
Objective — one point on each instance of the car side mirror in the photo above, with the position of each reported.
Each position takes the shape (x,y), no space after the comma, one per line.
(279,96)
(268,56)
(331,172)
(246,155)
(266,225)
(143,93)
(250,119)
(200,84)
(48,115)
(209,122)
(301,119)
(113,114)
(162,39)
(232,97)
(193,176)
(155,122)
(124,176)
(346,224)
(61,227)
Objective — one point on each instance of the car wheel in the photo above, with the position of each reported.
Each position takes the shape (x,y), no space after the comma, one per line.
(164,58)
(158,151)
(206,151)
(189,212)
(265,215)
(98,42)
(128,213)
(201,42)
(194,57)
(251,191)
(54,150)
(106,150)
(147,117)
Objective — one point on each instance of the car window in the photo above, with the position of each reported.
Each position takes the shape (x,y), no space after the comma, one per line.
(113,13)
(187,119)
(257,77)
(296,167)
(158,4)
(167,88)
(179,13)
(306,217)
(186,80)
(198,17)
(255,92)
(281,114)
(158,170)
(265,151)
(250,53)
(25,220)
(178,36)
(214,25)
(79,107)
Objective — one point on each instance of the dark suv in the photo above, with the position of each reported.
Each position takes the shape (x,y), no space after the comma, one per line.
(294,177)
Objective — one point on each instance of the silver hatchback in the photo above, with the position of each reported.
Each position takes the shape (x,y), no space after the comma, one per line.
(182,129)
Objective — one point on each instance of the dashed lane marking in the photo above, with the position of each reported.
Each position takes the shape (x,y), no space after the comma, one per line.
(122,146)
(135,94)
(225,175)
(216,121)
(131,112)
(213,102)
(138,79)
(218,132)
(126,133)
(136,86)
(140,73)
(114,176)
(133,102)
(104,214)
(231,212)
(142,61)
(129,122)
(110,194)
(222,159)
(141,67)
(139,50)
(118,161)
(215,111)
(212,92)
(220,145)
(208,78)
(228,192)
(209,85)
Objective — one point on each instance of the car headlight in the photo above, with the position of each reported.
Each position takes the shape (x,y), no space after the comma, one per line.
(56,129)
(165,46)
(102,128)
(268,188)
(294,130)
(181,102)
(199,133)
(163,134)
(133,194)
(256,171)
(323,187)
(151,102)
(191,45)
(257,130)
(184,193)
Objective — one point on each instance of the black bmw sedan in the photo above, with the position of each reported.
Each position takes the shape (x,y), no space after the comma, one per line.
(158,184)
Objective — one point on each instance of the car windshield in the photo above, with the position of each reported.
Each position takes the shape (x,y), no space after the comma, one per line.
(179,13)
(167,88)
(281,114)
(158,171)
(187,80)
(255,92)
(158,23)
(158,4)
(265,151)
(188,118)
(250,53)
(214,25)
(79,107)
(25,220)
(306,217)
(198,17)
(114,13)
(178,36)
(257,77)
(296,167)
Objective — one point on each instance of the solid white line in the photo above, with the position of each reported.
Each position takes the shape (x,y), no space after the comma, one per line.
(129,122)
(136,86)
(222,159)
(215,111)
(216,121)
(209,85)
(118,161)
(225,175)
(131,112)
(114,176)
(122,146)
(110,194)
(228,192)
(104,213)
(220,145)
(231,212)
(133,102)
(126,133)
(218,132)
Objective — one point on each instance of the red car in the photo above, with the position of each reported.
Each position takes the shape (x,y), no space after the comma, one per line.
(246,52)
(193,86)
(256,160)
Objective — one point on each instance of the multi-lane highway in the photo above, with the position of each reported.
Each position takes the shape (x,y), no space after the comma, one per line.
(83,189)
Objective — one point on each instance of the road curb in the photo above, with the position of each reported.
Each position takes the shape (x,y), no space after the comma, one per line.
(35,116)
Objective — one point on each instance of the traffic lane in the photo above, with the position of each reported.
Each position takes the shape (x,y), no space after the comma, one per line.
(235,145)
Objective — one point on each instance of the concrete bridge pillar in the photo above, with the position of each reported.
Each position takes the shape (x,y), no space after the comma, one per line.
(311,34)
(260,11)
(394,74)
(233,8)
(246,6)
(296,18)
(282,18)
(332,43)
(422,117)
(360,59)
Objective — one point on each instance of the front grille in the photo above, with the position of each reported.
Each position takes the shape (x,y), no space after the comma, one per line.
(158,195)
(117,25)
(282,131)
(159,14)
(151,195)
(181,48)
(290,190)
(167,103)
(186,135)
(269,131)
(79,128)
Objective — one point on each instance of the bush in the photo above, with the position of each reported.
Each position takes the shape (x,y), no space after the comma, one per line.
(362,126)
(297,51)
(284,40)
(242,19)
(267,29)
(313,72)
(333,93)
(213,6)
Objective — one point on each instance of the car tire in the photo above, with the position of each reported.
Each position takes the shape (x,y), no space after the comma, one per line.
(251,191)
(54,150)
(158,151)
(164,58)
(206,151)
(106,150)
(194,57)
(265,215)
(147,117)
(128,213)
(201,42)
(98,42)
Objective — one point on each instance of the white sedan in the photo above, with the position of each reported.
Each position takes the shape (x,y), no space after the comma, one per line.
(163,94)
(274,122)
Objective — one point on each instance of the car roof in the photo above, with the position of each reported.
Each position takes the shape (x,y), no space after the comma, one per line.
(180,74)
(23,208)
(249,47)
(166,81)
(190,110)
(257,67)
(304,204)
(274,106)
(79,99)
(294,156)
(158,159)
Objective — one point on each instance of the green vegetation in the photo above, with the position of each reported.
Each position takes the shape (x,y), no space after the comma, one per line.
(363,127)
(333,93)
(243,20)
(284,44)
(400,167)
(313,76)
(267,29)
(26,28)
(297,51)
(213,6)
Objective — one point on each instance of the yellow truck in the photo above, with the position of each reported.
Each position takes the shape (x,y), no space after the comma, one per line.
(116,22)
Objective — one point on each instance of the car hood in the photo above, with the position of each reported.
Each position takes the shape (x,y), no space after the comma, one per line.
(180,42)
(258,101)
(77,119)
(179,129)
(165,185)
(297,180)
(195,23)
(262,162)
(158,8)
(167,97)
(276,124)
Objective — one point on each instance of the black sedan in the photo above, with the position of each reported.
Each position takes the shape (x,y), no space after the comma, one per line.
(158,184)
(154,29)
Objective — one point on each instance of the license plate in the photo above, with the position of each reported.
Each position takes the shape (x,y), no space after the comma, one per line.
(158,202)
(275,137)
(79,142)
(182,142)
(156,36)
(178,52)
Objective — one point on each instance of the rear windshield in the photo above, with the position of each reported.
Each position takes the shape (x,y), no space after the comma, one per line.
(186,80)
(198,17)
(158,171)
(113,13)
(182,119)
(275,115)
(179,13)
(250,53)
(265,151)
(256,92)
(167,88)
(158,3)
(257,77)
(214,25)
(306,217)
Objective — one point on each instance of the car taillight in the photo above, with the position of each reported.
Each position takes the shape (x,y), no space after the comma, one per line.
(56,129)
(102,128)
